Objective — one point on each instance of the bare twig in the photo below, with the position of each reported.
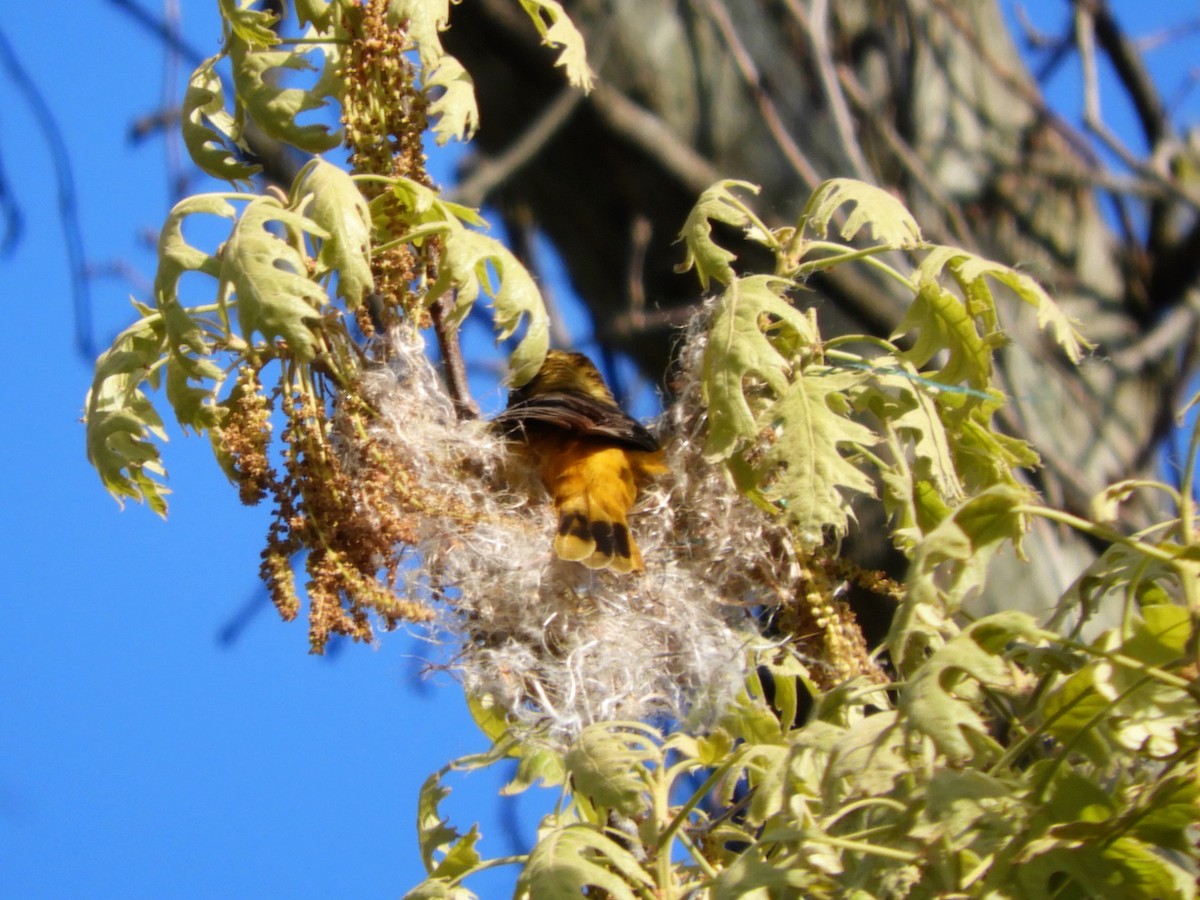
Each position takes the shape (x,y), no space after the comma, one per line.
(639,239)
(817,30)
(68,210)
(1130,68)
(452,361)
(766,106)
(1159,342)
(160,29)
(1019,87)
(652,136)
(908,157)
(488,174)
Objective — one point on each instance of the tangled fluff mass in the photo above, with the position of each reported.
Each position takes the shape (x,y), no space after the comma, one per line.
(553,643)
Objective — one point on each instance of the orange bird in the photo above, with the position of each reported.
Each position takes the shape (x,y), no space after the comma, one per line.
(591,456)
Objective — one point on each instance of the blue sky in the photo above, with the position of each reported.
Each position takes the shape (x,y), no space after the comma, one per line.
(140,756)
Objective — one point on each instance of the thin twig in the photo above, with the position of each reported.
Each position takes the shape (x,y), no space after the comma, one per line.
(908,157)
(68,210)
(1157,343)
(161,30)
(651,135)
(1131,69)
(817,30)
(766,106)
(452,361)
(489,173)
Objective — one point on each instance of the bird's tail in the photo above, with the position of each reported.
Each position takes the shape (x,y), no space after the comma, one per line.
(593,492)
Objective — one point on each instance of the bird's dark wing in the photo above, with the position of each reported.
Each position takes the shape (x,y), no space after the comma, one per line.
(577,414)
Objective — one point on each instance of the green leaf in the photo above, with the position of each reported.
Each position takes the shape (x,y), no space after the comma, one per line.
(250,25)
(265,272)
(328,196)
(557,30)
(439,889)
(436,836)
(192,380)
(210,133)
(608,765)
(464,266)
(120,418)
(749,328)
(534,761)
(802,471)
(570,858)
(951,562)
(972,273)
(317,12)
(890,222)
(423,21)
(1125,868)
(454,110)
(257,76)
(1167,816)
(943,698)
(1105,708)
(175,255)
(717,204)
(943,324)
(865,759)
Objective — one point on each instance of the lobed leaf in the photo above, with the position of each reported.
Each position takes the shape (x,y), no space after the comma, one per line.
(192,380)
(455,112)
(434,832)
(942,700)
(716,204)
(274,108)
(943,324)
(265,273)
(890,221)
(1105,709)
(570,859)
(252,26)
(121,420)
(607,764)
(464,267)
(557,30)
(950,563)
(329,197)
(317,12)
(423,20)
(211,134)
(972,273)
(802,470)
(755,335)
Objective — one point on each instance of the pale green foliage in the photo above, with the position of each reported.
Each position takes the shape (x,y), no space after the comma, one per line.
(121,418)
(961,789)
(329,197)
(717,204)
(274,272)
(468,261)
(457,115)
(257,73)
(211,134)
(1007,760)
(782,410)
(557,30)
(889,222)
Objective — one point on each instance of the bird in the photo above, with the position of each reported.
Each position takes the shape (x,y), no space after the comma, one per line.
(592,458)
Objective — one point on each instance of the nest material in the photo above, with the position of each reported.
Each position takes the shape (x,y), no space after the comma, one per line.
(554,643)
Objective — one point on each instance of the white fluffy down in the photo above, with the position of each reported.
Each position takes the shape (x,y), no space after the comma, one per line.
(557,645)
